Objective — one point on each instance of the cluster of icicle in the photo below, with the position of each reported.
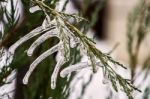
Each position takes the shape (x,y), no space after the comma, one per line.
(51,28)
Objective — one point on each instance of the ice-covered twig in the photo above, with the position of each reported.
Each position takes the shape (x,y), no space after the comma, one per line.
(33,33)
(40,40)
(5,57)
(38,60)
(56,71)
(76,67)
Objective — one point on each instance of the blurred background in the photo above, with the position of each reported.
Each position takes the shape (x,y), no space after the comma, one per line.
(119,27)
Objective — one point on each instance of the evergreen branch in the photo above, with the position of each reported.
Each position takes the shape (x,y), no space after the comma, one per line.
(69,37)
(93,51)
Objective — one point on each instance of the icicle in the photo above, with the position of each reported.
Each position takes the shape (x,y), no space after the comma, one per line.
(38,60)
(76,67)
(34,9)
(33,33)
(40,40)
(55,73)
(72,68)
(105,80)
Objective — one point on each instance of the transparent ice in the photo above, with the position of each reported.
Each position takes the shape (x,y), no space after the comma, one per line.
(76,67)
(55,72)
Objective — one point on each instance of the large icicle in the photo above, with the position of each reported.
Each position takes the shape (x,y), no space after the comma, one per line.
(40,40)
(56,71)
(38,60)
(76,67)
(33,33)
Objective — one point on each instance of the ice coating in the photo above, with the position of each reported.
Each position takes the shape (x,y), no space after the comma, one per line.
(40,40)
(33,33)
(5,57)
(56,71)
(72,68)
(34,9)
(38,60)
(75,67)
